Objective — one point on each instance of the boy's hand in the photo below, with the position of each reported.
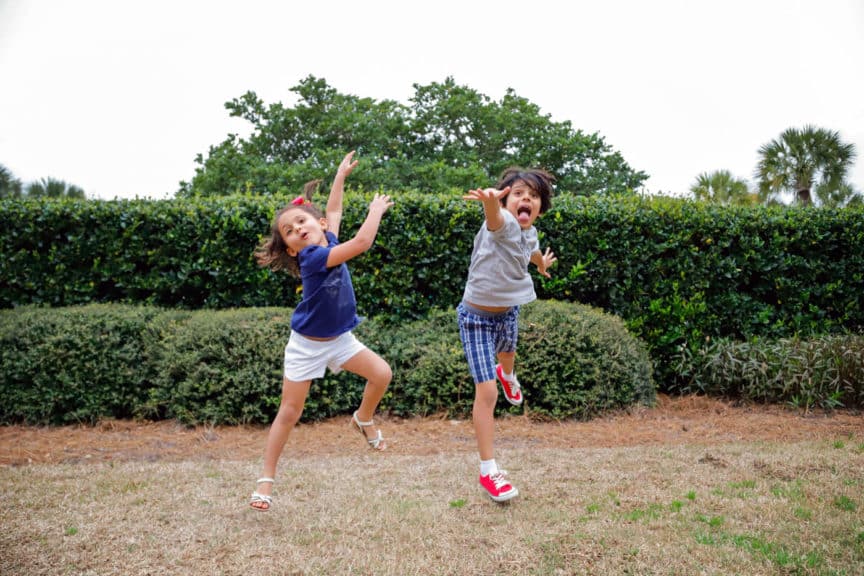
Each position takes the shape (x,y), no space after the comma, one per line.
(486,195)
(381,202)
(491,199)
(346,166)
(545,261)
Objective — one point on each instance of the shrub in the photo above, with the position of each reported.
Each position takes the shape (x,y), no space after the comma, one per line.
(825,372)
(572,361)
(430,373)
(218,367)
(578,361)
(71,365)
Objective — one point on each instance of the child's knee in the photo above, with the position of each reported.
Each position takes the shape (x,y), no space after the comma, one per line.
(486,393)
(383,375)
(289,413)
(388,374)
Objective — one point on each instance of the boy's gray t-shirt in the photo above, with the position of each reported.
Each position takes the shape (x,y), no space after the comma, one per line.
(498,274)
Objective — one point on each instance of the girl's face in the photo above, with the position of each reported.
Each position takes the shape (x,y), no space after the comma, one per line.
(524,203)
(300,229)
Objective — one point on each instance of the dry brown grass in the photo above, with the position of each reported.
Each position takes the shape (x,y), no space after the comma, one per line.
(783,505)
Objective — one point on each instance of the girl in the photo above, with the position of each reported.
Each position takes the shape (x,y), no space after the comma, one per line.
(305,243)
(498,283)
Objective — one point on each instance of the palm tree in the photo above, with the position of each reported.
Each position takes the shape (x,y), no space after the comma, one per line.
(53,188)
(800,159)
(10,187)
(722,187)
(838,196)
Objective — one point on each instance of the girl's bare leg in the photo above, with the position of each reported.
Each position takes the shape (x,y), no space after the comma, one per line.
(367,364)
(290,408)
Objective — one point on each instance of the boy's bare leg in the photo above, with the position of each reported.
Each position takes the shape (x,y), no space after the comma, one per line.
(483,414)
(507,361)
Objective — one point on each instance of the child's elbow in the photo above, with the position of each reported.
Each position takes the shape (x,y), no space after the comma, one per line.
(364,242)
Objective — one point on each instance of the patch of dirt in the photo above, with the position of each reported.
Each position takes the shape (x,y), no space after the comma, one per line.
(674,420)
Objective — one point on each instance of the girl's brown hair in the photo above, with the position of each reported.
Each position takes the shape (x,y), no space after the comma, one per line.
(537,179)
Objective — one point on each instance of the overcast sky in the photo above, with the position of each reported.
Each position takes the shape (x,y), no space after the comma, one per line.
(118,97)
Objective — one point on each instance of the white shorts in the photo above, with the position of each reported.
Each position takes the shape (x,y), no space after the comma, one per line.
(307,359)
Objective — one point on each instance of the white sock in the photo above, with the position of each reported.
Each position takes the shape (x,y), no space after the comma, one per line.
(488,467)
(508,375)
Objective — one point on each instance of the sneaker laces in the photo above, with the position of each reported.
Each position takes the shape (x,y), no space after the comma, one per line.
(498,479)
(515,388)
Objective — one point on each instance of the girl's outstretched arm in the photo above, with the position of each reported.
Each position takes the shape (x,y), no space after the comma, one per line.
(491,199)
(365,236)
(334,201)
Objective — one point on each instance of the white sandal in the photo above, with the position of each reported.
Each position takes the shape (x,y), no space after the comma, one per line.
(262,498)
(376,443)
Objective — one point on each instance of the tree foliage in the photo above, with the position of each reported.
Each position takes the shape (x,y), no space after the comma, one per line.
(10,186)
(722,187)
(842,196)
(53,188)
(803,158)
(448,136)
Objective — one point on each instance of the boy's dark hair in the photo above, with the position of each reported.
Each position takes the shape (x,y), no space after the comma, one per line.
(272,252)
(537,179)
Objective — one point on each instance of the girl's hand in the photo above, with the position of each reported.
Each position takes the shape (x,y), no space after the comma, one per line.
(545,261)
(346,166)
(380,202)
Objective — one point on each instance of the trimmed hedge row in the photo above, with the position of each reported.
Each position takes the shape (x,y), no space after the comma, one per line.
(84,364)
(677,271)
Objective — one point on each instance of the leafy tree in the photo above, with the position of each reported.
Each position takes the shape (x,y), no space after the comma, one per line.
(722,187)
(53,188)
(448,136)
(800,159)
(10,187)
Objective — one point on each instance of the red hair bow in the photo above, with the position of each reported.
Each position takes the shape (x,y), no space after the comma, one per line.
(299,201)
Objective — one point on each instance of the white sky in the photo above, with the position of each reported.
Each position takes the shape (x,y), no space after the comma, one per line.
(118,97)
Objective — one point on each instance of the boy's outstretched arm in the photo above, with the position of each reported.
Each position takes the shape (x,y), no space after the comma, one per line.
(334,201)
(491,199)
(365,236)
(543,261)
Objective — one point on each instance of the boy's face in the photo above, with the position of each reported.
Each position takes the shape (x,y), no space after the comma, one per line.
(300,229)
(524,203)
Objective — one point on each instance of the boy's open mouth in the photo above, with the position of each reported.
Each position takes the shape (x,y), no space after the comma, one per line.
(523,209)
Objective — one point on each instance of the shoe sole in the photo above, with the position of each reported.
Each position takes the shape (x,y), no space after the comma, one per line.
(513,402)
(504,497)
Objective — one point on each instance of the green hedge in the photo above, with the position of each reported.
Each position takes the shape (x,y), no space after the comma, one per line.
(572,361)
(678,272)
(83,364)
(71,365)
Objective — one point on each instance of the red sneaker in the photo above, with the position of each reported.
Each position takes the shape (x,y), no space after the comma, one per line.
(499,489)
(512,390)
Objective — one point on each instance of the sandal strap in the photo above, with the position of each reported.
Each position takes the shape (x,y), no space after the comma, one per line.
(364,424)
(262,480)
(374,442)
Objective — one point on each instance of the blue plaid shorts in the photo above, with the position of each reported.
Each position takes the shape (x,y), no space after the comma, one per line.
(485,334)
